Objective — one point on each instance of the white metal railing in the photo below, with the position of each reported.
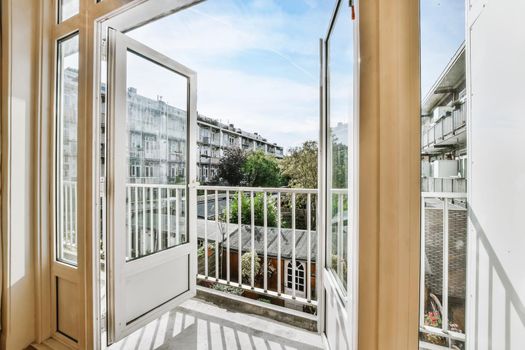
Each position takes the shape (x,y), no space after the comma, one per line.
(278,197)
(460,117)
(68,222)
(438,184)
(153,218)
(446,205)
(444,127)
(155,221)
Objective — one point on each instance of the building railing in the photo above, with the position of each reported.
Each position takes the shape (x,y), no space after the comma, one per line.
(437,184)
(254,235)
(149,229)
(68,224)
(443,266)
(250,238)
(446,126)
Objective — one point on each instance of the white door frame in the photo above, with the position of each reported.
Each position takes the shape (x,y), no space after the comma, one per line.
(119,270)
(127,16)
(346,303)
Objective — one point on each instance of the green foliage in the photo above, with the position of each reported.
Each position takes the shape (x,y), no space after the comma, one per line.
(300,165)
(228,289)
(339,164)
(246,266)
(258,206)
(200,251)
(261,170)
(230,166)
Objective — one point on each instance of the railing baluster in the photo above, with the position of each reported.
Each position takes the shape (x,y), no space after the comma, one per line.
(422,265)
(136,222)
(293,246)
(228,236)
(239,249)
(70,214)
(169,240)
(217,236)
(309,247)
(206,233)
(253,240)
(279,243)
(178,194)
(445,322)
(159,219)
(265,280)
(340,223)
(143,237)
(73,216)
(129,223)
(151,226)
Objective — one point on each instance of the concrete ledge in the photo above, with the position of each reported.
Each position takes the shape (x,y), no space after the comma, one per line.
(255,307)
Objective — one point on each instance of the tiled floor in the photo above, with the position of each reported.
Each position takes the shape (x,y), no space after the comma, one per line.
(200,325)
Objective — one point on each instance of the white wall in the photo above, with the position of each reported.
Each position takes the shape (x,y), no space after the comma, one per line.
(496,46)
(18,121)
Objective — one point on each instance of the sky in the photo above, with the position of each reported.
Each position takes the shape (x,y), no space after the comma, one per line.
(257,61)
(442,32)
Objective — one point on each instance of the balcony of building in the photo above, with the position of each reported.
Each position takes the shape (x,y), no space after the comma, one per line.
(447,131)
(249,240)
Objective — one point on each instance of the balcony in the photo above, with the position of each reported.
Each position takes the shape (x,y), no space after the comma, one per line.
(249,240)
(446,132)
(197,324)
(435,184)
(444,262)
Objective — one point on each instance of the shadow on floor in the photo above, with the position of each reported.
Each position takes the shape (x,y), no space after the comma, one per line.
(188,327)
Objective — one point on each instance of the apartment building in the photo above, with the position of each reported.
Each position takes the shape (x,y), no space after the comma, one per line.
(444,130)
(216,137)
(157,138)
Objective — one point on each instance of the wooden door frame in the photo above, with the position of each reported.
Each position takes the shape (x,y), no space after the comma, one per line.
(389,246)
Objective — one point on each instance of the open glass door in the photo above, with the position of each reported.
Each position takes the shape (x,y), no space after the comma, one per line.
(151,222)
(340,144)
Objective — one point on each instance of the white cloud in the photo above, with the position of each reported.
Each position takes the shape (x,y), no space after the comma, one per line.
(216,40)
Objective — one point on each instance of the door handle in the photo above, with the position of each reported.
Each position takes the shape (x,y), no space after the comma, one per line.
(193,184)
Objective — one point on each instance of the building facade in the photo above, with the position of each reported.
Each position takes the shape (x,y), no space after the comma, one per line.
(157,140)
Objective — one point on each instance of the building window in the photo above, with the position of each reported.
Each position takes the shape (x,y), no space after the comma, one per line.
(67,9)
(299,276)
(150,143)
(66,124)
(148,171)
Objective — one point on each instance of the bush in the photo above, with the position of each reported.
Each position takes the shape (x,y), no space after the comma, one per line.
(258,206)
(246,266)
(261,170)
(228,289)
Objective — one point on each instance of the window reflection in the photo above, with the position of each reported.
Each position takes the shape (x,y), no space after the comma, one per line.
(67,121)
(157,158)
(68,8)
(340,62)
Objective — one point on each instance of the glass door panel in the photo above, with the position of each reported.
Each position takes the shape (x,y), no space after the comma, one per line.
(152,127)
(156,123)
(340,147)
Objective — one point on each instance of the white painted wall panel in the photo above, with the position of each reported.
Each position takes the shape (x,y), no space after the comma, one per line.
(18,280)
(497,177)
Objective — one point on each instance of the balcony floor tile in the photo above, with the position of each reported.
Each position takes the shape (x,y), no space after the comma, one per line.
(199,325)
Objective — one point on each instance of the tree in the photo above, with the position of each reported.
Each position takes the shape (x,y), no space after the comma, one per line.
(300,165)
(258,206)
(230,166)
(261,170)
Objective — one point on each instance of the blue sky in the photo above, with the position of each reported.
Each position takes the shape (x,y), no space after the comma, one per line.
(257,61)
(442,32)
